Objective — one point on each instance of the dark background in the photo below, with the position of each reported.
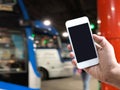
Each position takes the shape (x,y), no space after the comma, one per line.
(58,11)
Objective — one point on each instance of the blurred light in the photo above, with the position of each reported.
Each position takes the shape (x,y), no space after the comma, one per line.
(49,29)
(34,45)
(45,42)
(36,41)
(98,21)
(109,17)
(118,23)
(92,26)
(54,37)
(47,22)
(31,38)
(33,35)
(65,34)
(113,8)
(98,33)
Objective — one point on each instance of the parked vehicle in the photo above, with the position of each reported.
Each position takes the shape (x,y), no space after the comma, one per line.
(52,59)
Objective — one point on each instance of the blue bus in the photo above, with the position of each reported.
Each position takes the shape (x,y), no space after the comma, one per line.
(18,68)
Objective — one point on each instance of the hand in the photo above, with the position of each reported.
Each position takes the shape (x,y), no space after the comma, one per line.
(107,60)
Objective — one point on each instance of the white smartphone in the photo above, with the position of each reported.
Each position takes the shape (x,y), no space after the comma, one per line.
(82,42)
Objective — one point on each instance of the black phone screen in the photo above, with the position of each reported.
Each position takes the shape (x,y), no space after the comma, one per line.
(82,42)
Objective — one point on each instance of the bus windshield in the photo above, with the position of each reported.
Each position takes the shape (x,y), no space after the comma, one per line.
(12,51)
(45,41)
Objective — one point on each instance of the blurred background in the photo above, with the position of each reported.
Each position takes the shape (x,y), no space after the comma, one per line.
(58,11)
(33,44)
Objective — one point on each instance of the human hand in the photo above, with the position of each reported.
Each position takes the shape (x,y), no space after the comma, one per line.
(107,60)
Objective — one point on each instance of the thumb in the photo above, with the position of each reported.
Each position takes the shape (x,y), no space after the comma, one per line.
(100,40)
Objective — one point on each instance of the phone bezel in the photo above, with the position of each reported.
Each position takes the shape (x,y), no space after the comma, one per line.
(75,22)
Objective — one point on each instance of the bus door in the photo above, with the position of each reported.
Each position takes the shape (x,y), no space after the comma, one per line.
(13,56)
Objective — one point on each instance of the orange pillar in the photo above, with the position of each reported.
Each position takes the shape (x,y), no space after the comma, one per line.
(109,26)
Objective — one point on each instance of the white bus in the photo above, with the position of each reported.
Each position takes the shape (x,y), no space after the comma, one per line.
(52,59)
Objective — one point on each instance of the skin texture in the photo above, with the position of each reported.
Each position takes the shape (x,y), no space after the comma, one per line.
(108,70)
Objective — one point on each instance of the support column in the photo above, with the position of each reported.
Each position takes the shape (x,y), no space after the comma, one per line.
(109,26)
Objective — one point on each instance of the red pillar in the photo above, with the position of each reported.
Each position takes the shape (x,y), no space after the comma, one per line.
(109,26)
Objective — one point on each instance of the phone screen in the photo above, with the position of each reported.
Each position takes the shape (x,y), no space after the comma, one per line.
(82,42)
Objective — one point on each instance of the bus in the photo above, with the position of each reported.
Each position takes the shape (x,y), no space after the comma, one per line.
(18,68)
(53,60)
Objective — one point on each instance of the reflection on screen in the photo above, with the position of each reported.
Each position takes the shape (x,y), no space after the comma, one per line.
(82,42)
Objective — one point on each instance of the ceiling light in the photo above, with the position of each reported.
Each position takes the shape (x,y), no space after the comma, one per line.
(65,34)
(47,22)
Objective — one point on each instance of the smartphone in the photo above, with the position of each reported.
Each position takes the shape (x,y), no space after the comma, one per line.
(82,42)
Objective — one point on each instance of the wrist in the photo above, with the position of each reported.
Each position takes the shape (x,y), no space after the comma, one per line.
(114,76)
(115,71)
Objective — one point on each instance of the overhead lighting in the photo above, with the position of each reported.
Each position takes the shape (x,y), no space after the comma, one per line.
(47,22)
(65,34)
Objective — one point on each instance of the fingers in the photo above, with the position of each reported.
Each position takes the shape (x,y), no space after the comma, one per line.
(72,55)
(74,62)
(69,47)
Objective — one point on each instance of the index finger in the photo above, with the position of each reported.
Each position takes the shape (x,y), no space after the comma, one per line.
(69,47)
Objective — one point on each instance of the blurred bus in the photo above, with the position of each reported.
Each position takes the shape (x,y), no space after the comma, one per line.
(18,68)
(52,59)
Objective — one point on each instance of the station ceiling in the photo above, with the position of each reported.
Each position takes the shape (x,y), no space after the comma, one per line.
(58,11)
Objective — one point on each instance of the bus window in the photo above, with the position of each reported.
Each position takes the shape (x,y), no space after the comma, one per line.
(45,41)
(12,51)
